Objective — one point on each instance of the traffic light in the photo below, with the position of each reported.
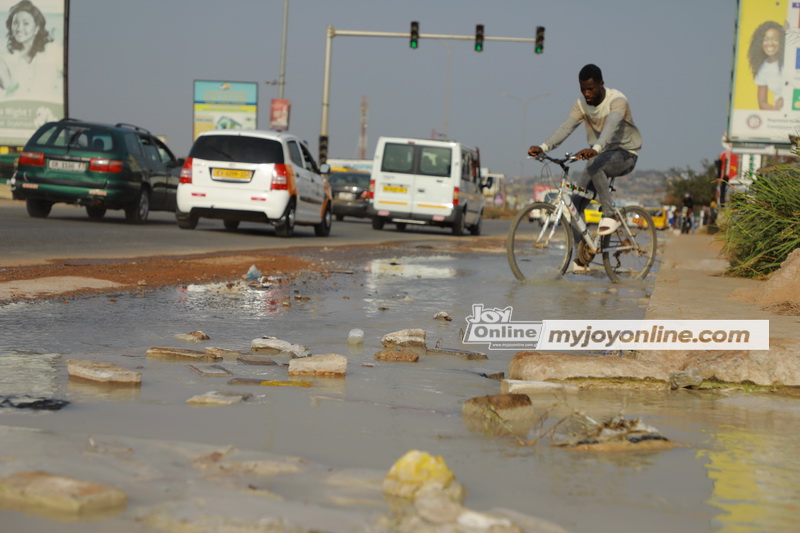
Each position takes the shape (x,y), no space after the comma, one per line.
(323,149)
(414,35)
(479,38)
(539,48)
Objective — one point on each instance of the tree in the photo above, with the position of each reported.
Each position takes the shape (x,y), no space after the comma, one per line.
(702,186)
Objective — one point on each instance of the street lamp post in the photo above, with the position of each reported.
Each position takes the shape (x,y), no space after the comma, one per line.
(524,104)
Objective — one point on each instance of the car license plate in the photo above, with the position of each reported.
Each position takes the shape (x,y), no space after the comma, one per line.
(394,188)
(230,174)
(346,196)
(69,166)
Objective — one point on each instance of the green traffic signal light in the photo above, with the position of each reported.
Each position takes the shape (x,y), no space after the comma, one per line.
(539,48)
(479,38)
(414,35)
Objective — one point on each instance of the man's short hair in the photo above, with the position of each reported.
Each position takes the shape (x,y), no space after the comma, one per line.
(590,72)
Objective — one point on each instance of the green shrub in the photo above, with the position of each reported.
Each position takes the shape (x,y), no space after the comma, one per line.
(761,228)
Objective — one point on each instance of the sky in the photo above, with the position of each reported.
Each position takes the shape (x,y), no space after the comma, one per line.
(136,62)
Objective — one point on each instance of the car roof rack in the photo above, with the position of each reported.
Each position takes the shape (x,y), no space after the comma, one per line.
(126,125)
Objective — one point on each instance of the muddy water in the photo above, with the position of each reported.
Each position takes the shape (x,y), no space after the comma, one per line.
(736,472)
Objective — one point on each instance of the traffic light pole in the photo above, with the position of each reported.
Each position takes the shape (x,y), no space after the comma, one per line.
(326,82)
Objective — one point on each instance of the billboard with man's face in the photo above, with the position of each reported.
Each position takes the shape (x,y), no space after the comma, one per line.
(32,66)
(765,97)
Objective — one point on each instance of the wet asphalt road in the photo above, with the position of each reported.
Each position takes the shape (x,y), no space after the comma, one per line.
(69,233)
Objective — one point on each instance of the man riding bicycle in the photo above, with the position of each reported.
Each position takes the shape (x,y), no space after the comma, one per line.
(613,143)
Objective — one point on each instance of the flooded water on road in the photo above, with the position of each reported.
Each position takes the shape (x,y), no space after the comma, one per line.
(736,472)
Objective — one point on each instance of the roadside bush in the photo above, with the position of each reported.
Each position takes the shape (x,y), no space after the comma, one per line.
(761,228)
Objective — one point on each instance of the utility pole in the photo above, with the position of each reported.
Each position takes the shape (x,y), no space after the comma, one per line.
(362,138)
(282,78)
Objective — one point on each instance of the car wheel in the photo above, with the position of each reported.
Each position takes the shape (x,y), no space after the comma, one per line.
(378,222)
(459,224)
(323,229)
(476,228)
(284,227)
(95,212)
(38,208)
(401,226)
(141,209)
(231,225)
(186,220)
(339,217)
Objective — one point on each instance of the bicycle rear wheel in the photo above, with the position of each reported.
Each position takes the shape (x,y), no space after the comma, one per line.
(538,244)
(629,252)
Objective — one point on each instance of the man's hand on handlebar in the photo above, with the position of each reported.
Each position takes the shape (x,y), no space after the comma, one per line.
(535,151)
(586,153)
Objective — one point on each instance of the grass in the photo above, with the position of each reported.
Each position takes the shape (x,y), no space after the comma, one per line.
(761,228)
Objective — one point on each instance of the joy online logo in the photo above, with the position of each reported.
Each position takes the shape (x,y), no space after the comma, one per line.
(494,327)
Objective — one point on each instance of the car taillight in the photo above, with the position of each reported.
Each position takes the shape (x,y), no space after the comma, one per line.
(186,171)
(455,195)
(34,159)
(102,164)
(280,178)
(370,193)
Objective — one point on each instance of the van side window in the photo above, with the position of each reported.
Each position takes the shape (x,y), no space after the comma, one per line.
(398,158)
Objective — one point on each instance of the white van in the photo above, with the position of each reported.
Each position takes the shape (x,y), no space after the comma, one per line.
(427,182)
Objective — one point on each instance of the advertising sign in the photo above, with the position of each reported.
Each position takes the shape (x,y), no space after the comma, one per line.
(765,96)
(224,105)
(279,114)
(33,80)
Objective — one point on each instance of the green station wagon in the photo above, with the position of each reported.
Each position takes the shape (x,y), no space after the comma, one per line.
(98,166)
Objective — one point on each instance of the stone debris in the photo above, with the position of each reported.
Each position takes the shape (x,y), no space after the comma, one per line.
(263,360)
(37,403)
(443,315)
(211,371)
(193,336)
(102,372)
(180,354)
(463,354)
(355,337)
(496,375)
(329,365)
(269,382)
(397,355)
(218,398)
(275,346)
(222,352)
(685,379)
(37,489)
(532,387)
(500,414)
(406,338)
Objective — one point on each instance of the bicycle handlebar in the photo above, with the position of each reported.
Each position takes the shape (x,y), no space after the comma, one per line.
(562,162)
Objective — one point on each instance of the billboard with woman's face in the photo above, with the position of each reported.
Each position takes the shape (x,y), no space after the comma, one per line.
(32,66)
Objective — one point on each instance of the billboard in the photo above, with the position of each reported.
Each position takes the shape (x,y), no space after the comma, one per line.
(279,114)
(765,93)
(33,73)
(224,105)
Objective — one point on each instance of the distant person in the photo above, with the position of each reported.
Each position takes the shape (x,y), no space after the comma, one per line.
(766,62)
(613,138)
(33,67)
(687,211)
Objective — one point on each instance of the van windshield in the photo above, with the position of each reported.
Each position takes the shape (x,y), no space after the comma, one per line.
(417,159)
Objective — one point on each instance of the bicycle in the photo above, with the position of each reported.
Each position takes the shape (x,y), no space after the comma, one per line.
(543,243)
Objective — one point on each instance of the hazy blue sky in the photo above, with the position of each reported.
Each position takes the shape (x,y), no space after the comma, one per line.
(135,61)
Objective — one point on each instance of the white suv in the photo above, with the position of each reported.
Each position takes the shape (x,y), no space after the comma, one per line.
(256,176)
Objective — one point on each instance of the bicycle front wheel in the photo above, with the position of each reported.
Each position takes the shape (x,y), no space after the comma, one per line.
(629,252)
(539,244)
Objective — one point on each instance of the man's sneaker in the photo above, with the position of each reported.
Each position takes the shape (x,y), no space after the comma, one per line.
(608,226)
(576,268)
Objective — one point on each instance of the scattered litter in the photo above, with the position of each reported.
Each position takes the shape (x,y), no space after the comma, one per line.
(23,401)
(355,336)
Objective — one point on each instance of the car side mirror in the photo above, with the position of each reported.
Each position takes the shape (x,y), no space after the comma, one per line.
(324,168)
(488,183)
